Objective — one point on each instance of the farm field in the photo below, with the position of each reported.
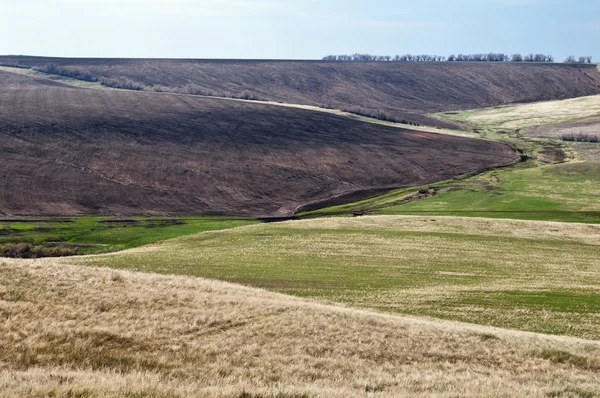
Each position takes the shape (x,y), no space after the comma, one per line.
(72,331)
(404,90)
(75,151)
(535,276)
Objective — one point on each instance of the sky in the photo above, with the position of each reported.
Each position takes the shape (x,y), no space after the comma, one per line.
(297,29)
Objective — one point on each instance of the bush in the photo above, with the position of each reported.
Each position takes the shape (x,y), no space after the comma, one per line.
(122,83)
(247,95)
(14,64)
(194,89)
(66,72)
(579,137)
(378,114)
(28,250)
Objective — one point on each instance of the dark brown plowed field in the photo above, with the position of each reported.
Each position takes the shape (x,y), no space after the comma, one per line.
(72,151)
(13,81)
(403,89)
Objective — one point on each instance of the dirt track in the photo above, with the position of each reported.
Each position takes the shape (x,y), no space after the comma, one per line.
(73,151)
(403,89)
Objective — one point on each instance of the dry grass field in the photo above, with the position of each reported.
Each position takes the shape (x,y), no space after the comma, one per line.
(522,116)
(70,331)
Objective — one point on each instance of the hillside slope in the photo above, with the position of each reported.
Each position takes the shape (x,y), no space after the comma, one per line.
(71,151)
(403,89)
(71,331)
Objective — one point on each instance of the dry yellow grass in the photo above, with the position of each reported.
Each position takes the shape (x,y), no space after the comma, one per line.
(71,331)
(577,232)
(520,116)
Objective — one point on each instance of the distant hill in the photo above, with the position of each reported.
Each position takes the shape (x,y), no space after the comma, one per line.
(403,89)
(69,151)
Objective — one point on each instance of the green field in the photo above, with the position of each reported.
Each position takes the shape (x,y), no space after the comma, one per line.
(557,181)
(563,192)
(535,276)
(89,235)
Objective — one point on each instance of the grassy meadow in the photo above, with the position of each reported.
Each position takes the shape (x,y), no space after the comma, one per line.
(562,192)
(534,276)
(89,235)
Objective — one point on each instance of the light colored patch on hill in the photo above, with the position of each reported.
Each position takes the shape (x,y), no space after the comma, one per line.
(577,232)
(71,331)
(519,116)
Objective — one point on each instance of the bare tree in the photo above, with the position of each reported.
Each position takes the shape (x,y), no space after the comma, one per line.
(477,57)
(516,58)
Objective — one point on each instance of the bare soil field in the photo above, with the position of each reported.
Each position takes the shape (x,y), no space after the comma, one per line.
(71,331)
(14,81)
(403,89)
(67,151)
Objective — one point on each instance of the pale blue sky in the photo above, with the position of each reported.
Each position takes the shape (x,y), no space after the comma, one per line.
(297,29)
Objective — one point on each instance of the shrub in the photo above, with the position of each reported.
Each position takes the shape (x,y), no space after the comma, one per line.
(28,250)
(194,89)
(66,72)
(122,83)
(581,137)
(247,95)
(378,114)
(13,64)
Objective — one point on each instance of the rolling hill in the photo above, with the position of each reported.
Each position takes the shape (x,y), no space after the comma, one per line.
(68,151)
(76,331)
(402,89)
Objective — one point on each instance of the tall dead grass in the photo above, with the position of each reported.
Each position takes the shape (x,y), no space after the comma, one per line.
(71,331)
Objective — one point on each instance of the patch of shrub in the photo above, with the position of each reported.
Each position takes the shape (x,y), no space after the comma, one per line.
(580,137)
(66,72)
(122,83)
(13,64)
(194,89)
(379,115)
(247,95)
(29,250)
